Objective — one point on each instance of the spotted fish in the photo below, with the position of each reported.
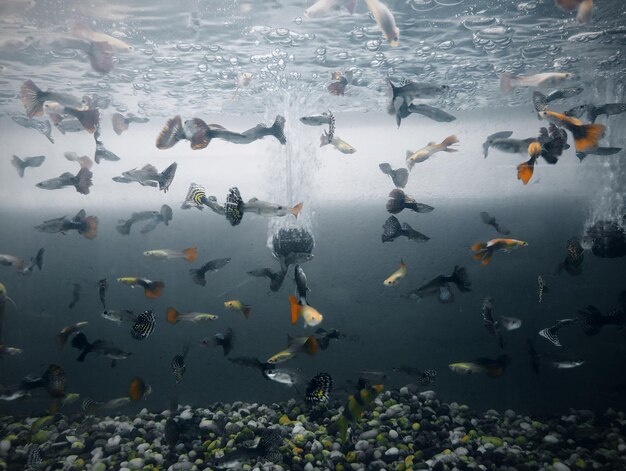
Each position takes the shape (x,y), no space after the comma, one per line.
(143,326)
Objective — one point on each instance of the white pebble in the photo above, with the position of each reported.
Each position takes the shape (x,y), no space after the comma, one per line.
(558,466)
(186,414)
(5,445)
(550,439)
(393,434)
(461,451)
(135,463)
(404,391)
(427,395)
(393,451)
(142,447)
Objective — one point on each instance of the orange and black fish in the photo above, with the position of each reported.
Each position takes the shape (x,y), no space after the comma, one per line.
(525,170)
(138,389)
(151,289)
(586,136)
(484,251)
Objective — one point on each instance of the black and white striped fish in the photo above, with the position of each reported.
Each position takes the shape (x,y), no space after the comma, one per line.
(550,333)
(90,406)
(33,460)
(143,326)
(197,198)
(427,377)
(178,364)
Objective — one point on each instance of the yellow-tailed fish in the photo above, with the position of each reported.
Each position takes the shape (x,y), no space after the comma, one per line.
(484,251)
(173,316)
(493,368)
(396,276)
(151,289)
(235,305)
(295,345)
(431,148)
(586,136)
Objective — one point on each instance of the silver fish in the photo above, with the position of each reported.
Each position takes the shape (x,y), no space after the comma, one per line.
(282,376)
(301,283)
(43,127)
(510,323)
(263,208)
(118,317)
(22,164)
(81,181)
(153,217)
(317,119)
(148,175)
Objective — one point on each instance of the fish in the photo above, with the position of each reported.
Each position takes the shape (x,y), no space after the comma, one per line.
(573,261)
(398,200)
(338,143)
(566,364)
(492,325)
(318,389)
(53,379)
(138,389)
(33,99)
(79,30)
(598,151)
(12,394)
(541,101)
(326,7)
(89,119)
(121,122)
(392,230)
(119,316)
(148,175)
(396,276)
(526,169)
(75,295)
(492,368)
(553,142)
(295,345)
(197,198)
(287,377)
(439,286)
(493,138)
(9,351)
(189,254)
(154,218)
(225,340)
(266,450)
(584,8)
(173,316)
(251,362)
(509,82)
(151,289)
(90,406)
(399,177)
(263,208)
(34,262)
(103,286)
(309,314)
(533,355)
(586,136)
(424,378)
(236,305)
(293,258)
(143,327)
(608,109)
(178,364)
(301,284)
(66,332)
(70,398)
(12,260)
(404,109)
(355,406)
(484,251)
(317,119)
(81,181)
(593,320)
(276,277)
(431,148)
(551,333)
(411,90)
(198,274)
(491,221)
(22,164)
(507,144)
(542,287)
(83,162)
(324,337)
(43,127)
(510,323)
(385,21)
(87,226)
(63,124)
(102,347)
(102,153)
(338,84)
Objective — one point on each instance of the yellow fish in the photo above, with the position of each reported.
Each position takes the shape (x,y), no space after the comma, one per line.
(396,276)
(152,289)
(385,20)
(425,153)
(235,305)
(484,251)
(310,315)
(173,316)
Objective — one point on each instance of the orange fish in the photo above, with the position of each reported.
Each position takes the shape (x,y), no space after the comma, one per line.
(525,170)
(586,136)
(584,8)
(484,251)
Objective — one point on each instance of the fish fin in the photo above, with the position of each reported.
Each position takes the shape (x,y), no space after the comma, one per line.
(30,96)
(171,133)
(84,181)
(295,309)
(119,123)
(408,154)
(525,170)
(100,56)
(198,277)
(278,129)
(506,82)
(311,345)
(167,176)
(191,254)
(89,119)
(19,164)
(154,289)
(479,247)
(385,168)
(123,228)
(92,227)
(585,10)
(587,136)
(296,210)
(171,315)
(486,258)
(445,295)
(448,141)
(539,101)
(247,310)
(200,139)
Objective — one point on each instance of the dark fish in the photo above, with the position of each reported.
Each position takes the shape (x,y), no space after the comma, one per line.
(88,118)
(534,356)
(75,296)
(103,285)
(392,230)
(65,124)
(102,347)
(542,288)
(494,137)
(225,340)
(398,200)
(102,153)
(593,320)
(355,406)
(43,127)
(574,258)
(512,146)
(598,151)
(22,164)
(424,377)
(154,218)
(171,432)
(609,109)
(143,326)
(301,283)
(178,364)
(318,389)
(65,333)
(607,238)
(540,101)
(87,226)
(35,262)
(324,337)
(317,120)
(553,142)
(33,99)
(338,84)
(121,122)
(148,175)
(412,90)
(138,389)
(403,109)
(81,181)
(551,333)
(53,380)
(439,286)
(491,324)
(276,277)
(198,275)
(197,198)
(234,206)
(400,176)
(90,406)
(491,221)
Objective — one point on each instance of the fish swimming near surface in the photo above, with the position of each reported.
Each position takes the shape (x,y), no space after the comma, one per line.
(63,336)
(584,8)
(309,314)
(509,82)
(574,258)
(154,218)
(392,229)
(404,109)
(118,317)
(263,208)
(431,148)
(143,326)
(411,90)
(33,99)
(327,7)
(492,368)
(138,389)
(197,198)
(189,254)
(75,295)
(178,364)
(398,200)
(593,111)
(103,286)
(121,122)
(81,181)
(338,143)
(148,175)
(87,226)
(355,406)
(151,289)
(440,286)
(276,277)
(399,177)
(101,347)
(174,317)
(491,324)
(485,250)
(225,339)
(586,136)
(396,276)
(198,275)
(237,305)
(318,389)
(43,127)
(283,376)
(22,164)
(79,30)
(295,345)
(526,169)
(302,287)
(551,333)
(385,21)
(64,124)
(598,151)
(540,101)
(491,221)
(317,119)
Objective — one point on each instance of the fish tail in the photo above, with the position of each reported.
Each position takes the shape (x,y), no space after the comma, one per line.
(497,369)
(171,315)
(296,210)
(540,102)
(30,94)
(393,88)
(592,112)
(91,227)
(591,320)
(585,10)
(191,254)
(200,138)
(295,309)
(311,345)
(461,279)
(350,5)
(119,123)
(100,56)
(487,258)
(448,141)
(198,276)
(19,164)
(154,289)
(84,181)
(587,136)
(124,227)
(247,310)
(89,119)
(479,247)
(171,133)
(507,82)
(525,170)
(278,129)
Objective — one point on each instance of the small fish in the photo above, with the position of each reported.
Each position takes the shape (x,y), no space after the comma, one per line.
(566,364)
(70,398)
(583,7)
(79,30)
(138,389)
(239,306)
(103,286)
(9,351)
(526,169)
(492,325)
(338,85)
(492,368)
(102,347)
(66,332)
(189,254)
(385,20)
(154,218)
(11,260)
(542,288)
(22,164)
(75,295)
(119,316)
(510,323)
(13,394)
(400,176)
(511,145)
(586,136)
(493,138)
(143,326)
(431,148)
(404,109)
(178,364)
(327,7)
(318,389)
(355,406)
(608,109)
(540,101)
(197,198)
(276,277)
(439,286)
(411,90)
(598,151)
(65,124)
(33,99)
(491,221)
(81,181)
(225,340)
(317,119)
(233,207)
(89,118)
(301,284)
(121,122)
(263,208)
(396,276)
(84,161)
(392,230)
(338,143)
(424,378)
(173,316)
(551,333)
(295,345)
(148,175)
(484,251)
(102,153)
(553,142)
(198,274)
(509,82)
(309,314)
(574,258)
(151,289)
(293,258)
(593,320)
(42,127)
(325,336)
(283,376)
(398,200)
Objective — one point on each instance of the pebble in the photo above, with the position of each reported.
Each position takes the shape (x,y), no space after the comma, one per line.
(393,451)
(5,445)
(362,445)
(551,439)
(427,395)
(558,466)
(186,414)
(136,463)
(393,434)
